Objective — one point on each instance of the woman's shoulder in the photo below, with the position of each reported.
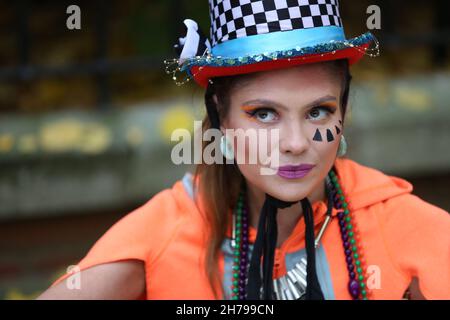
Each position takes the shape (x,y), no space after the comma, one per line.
(415,233)
(389,196)
(366,187)
(143,233)
(170,204)
(160,215)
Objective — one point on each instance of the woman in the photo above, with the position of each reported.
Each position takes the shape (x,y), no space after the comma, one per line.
(312,226)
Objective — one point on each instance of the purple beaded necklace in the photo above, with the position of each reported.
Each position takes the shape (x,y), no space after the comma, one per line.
(240,253)
(353,258)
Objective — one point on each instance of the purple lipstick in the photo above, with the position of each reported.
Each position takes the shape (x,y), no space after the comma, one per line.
(294,171)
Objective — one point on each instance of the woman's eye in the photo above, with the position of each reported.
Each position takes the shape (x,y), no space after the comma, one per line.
(319,113)
(263,115)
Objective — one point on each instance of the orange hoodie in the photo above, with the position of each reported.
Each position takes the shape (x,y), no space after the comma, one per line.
(401,237)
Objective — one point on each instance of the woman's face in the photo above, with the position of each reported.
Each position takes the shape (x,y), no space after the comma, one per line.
(303,104)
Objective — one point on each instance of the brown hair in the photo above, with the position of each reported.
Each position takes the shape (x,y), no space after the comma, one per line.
(220,184)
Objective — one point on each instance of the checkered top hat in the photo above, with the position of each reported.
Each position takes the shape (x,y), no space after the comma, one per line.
(255,35)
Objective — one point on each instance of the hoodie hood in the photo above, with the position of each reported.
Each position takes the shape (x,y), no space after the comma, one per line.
(366,186)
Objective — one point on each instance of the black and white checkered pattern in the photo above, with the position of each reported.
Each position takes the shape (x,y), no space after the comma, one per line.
(193,44)
(231,19)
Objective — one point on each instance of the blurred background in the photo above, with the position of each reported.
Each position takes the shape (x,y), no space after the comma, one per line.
(86,117)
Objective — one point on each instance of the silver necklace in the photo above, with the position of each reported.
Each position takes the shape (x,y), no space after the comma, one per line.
(292,286)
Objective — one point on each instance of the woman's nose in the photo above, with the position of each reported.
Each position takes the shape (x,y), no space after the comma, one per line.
(293,139)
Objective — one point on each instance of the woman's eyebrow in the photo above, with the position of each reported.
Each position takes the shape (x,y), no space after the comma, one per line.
(267,102)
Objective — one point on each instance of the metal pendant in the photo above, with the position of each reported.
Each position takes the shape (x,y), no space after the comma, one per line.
(292,286)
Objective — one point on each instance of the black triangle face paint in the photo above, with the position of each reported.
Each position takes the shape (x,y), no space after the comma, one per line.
(329,136)
(317,136)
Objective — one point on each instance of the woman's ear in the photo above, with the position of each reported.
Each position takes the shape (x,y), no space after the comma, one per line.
(223,122)
(222,128)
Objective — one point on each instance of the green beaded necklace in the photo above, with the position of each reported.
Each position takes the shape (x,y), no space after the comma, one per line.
(356,286)
(354,259)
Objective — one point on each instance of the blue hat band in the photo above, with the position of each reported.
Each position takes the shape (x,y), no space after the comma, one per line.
(278,41)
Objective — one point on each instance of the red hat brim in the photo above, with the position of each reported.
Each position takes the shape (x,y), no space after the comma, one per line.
(202,74)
